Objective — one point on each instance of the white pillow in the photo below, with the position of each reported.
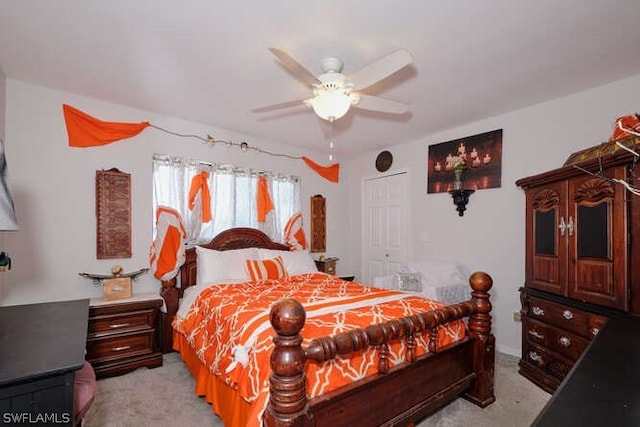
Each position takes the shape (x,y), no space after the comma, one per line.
(440,272)
(295,262)
(223,266)
(409,281)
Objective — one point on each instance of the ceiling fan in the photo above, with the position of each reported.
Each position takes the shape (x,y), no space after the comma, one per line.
(335,93)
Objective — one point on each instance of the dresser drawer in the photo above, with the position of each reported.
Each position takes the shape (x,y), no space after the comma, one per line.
(120,346)
(555,339)
(113,323)
(568,318)
(540,357)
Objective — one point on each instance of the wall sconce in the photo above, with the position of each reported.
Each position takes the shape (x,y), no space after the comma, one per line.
(461,199)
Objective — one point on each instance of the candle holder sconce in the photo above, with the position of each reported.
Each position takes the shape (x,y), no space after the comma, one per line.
(461,199)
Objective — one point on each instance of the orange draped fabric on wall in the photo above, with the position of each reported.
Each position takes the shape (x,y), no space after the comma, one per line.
(331,173)
(87,131)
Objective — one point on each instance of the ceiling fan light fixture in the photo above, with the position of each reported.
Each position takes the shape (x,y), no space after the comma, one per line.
(331,105)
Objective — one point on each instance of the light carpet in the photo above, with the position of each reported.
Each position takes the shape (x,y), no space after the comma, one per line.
(165,397)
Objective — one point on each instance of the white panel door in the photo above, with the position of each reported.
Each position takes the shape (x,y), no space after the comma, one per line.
(385,226)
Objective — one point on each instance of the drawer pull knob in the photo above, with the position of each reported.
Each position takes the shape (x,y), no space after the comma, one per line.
(118,325)
(566,342)
(567,314)
(124,347)
(536,334)
(537,311)
(535,356)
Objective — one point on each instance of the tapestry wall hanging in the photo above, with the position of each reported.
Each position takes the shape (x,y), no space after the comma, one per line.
(113,214)
(477,158)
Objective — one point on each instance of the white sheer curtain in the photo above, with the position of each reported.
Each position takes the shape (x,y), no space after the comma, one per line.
(233,197)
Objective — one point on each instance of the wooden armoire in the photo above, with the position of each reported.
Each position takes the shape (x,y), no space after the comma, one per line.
(582,260)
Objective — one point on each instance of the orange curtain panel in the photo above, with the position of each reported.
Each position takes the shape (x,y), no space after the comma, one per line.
(200,184)
(264,203)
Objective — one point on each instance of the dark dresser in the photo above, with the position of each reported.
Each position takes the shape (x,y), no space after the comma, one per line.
(41,347)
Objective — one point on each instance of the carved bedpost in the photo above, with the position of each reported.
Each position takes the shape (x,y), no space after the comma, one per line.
(171,295)
(481,391)
(288,398)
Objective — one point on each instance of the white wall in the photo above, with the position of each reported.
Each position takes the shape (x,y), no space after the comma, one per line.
(490,236)
(53,188)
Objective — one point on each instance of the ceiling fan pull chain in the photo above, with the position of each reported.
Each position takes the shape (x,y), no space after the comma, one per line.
(331,141)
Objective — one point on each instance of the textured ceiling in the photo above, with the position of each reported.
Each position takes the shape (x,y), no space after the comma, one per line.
(208,61)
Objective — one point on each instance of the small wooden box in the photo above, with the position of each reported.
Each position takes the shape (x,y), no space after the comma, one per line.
(327,266)
(118,288)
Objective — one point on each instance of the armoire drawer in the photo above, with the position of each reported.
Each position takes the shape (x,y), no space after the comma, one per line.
(568,318)
(555,339)
(540,357)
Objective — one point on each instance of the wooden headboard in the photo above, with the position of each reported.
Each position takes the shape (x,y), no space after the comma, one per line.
(234,238)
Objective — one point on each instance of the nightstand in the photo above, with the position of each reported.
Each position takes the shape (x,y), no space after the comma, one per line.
(326,266)
(124,335)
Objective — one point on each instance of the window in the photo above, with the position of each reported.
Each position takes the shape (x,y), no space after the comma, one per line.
(233,197)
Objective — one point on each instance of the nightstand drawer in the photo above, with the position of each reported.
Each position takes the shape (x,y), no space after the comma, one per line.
(571,319)
(120,346)
(122,322)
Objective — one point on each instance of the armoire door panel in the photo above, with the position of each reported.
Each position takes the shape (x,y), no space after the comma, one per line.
(594,274)
(546,241)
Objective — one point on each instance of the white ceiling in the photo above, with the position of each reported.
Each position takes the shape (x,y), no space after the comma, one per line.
(208,61)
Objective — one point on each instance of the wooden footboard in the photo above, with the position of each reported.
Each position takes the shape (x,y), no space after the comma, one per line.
(395,396)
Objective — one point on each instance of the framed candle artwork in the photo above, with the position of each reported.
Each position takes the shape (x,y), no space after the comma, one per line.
(470,163)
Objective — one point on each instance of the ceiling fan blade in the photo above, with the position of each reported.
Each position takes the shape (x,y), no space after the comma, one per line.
(278,106)
(294,67)
(375,103)
(384,67)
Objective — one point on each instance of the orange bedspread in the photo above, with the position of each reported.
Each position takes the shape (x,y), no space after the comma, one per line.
(228,329)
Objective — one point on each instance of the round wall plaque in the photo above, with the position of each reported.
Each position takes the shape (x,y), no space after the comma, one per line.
(383,161)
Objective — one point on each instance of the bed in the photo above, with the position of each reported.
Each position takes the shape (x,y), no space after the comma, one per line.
(407,382)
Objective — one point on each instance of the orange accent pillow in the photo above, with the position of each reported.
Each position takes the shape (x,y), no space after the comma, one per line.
(266,269)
